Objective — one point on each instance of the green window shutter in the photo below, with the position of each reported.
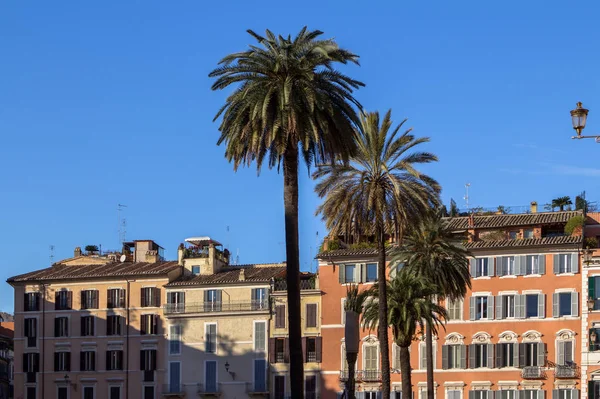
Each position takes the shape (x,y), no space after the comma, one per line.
(515,355)
(592,287)
(555,394)
(342,274)
(472,308)
(499,356)
(541,354)
(520,265)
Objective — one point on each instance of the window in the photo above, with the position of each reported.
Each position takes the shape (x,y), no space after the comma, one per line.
(63,300)
(310,387)
(30,330)
(195,270)
(371,395)
(371,272)
(480,355)
(532,354)
(594,389)
(175,302)
(481,394)
(531,394)
(62,393)
(455,309)
(347,274)
(566,263)
(87,326)
(311,315)
(280,316)
(279,387)
(148,359)
(454,357)
(62,361)
(505,355)
(210,342)
(88,393)
(115,392)
(175,340)
(481,267)
(61,327)
(260,299)
(564,354)
(148,392)
(260,375)
(370,362)
(210,376)
(260,336)
(175,376)
(505,306)
(506,265)
(481,307)
(212,300)
(395,357)
(113,325)
(150,297)
(89,299)
(87,360)
(312,347)
(31,362)
(534,305)
(114,360)
(594,291)
(32,302)
(116,298)
(507,394)
(279,353)
(528,233)
(565,304)
(568,394)
(149,324)
(423,355)
(453,394)
(343,310)
(31,393)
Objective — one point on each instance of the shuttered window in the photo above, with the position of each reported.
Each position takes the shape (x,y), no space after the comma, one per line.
(87,326)
(423,356)
(260,336)
(89,299)
(311,315)
(455,309)
(453,394)
(30,331)
(481,307)
(175,340)
(149,324)
(568,394)
(370,357)
(148,359)
(532,354)
(565,304)
(114,325)
(505,266)
(280,316)
(260,375)
(62,361)
(481,355)
(482,267)
(150,297)
(564,355)
(115,298)
(507,394)
(566,263)
(63,300)
(506,355)
(454,357)
(210,376)
(61,327)
(32,302)
(87,360)
(395,357)
(114,360)
(210,341)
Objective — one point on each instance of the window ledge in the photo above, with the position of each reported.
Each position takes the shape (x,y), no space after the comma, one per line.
(532,275)
(565,274)
(482,278)
(509,276)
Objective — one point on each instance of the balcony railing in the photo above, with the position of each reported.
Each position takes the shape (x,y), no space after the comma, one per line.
(566,371)
(311,357)
(172,389)
(215,307)
(209,390)
(532,372)
(281,285)
(362,375)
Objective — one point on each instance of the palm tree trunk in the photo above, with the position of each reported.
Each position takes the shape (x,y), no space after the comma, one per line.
(290,199)
(382,325)
(429,354)
(351,358)
(405,372)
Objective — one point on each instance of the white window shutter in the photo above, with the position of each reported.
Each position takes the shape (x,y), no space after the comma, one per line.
(555,304)
(541,306)
(490,307)
(560,357)
(542,264)
(491,262)
(499,312)
(575,263)
(574,304)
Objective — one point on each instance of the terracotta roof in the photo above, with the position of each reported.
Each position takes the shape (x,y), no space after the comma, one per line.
(521,219)
(114,270)
(349,252)
(7,329)
(231,274)
(527,242)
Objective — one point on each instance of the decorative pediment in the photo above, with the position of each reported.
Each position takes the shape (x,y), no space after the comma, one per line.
(565,334)
(370,339)
(532,336)
(481,337)
(455,339)
(508,336)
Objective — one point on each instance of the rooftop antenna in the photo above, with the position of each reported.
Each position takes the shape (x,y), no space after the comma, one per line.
(51,254)
(316,261)
(466,197)
(122,224)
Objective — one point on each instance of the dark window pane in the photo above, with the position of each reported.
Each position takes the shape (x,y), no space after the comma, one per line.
(564,303)
(531,305)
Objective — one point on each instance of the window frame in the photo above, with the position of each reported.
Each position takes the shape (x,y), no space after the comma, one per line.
(213,348)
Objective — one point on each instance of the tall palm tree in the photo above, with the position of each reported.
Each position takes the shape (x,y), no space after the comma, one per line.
(561,202)
(409,309)
(431,252)
(355,301)
(289,102)
(380,191)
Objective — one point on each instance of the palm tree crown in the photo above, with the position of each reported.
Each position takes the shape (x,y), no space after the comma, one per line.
(561,202)
(288,94)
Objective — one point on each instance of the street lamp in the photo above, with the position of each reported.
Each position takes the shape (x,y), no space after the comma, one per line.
(579,118)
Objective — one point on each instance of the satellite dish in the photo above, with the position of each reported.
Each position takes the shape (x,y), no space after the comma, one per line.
(123,258)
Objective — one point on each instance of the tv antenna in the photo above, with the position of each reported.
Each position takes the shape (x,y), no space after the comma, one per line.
(51,254)
(466,197)
(122,224)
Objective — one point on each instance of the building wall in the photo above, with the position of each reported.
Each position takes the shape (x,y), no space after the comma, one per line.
(547,330)
(48,380)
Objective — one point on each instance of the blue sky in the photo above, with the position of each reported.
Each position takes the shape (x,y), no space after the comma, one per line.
(109,102)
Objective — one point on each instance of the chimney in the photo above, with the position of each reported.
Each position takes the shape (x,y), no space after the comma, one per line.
(242,275)
(77,252)
(533,208)
(180,254)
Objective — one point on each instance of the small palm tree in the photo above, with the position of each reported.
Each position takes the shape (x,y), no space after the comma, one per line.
(561,202)
(431,252)
(409,309)
(289,103)
(379,192)
(355,301)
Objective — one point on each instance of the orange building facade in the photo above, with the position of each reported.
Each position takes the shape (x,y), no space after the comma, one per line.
(519,333)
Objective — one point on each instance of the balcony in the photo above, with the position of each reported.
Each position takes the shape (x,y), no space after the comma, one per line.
(311,357)
(566,371)
(173,391)
(344,375)
(362,375)
(216,307)
(281,285)
(209,390)
(255,391)
(532,372)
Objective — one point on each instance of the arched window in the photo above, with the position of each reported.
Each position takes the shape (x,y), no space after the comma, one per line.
(481,351)
(532,351)
(565,347)
(370,357)
(507,354)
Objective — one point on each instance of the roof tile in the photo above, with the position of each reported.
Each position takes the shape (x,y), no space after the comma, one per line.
(527,242)
(521,219)
(231,274)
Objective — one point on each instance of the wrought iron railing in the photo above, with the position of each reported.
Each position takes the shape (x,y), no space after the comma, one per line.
(532,372)
(362,375)
(281,285)
(210,388)
(214,307)
(311,356)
